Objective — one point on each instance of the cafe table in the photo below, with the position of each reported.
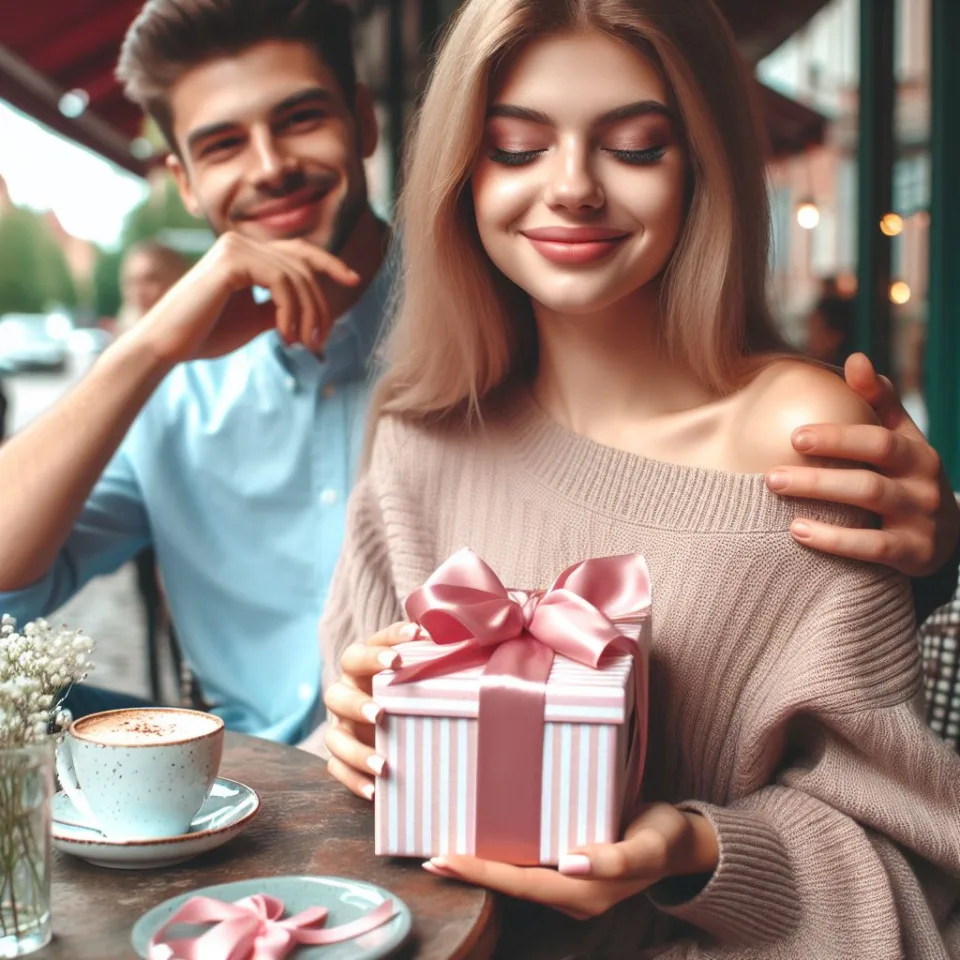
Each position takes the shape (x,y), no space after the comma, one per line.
(308,824)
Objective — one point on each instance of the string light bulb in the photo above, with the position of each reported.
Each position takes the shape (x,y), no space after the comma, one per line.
(808,214)
(900,293)
(891,225)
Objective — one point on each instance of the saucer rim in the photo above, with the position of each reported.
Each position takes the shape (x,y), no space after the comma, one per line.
(105,841)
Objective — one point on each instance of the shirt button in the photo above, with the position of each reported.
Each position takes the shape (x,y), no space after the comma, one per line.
(328,497)
(291,383)
(329,391)
(305,691)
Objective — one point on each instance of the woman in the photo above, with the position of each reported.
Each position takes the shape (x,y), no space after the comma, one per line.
(582,365)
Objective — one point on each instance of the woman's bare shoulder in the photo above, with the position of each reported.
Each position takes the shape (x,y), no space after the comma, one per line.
(782,396)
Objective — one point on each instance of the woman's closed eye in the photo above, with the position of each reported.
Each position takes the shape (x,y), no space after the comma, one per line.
(516,158)
(639,158)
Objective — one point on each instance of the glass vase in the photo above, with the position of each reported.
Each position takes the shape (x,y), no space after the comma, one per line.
(26,786)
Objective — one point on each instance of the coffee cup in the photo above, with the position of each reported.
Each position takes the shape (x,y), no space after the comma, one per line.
(141,773)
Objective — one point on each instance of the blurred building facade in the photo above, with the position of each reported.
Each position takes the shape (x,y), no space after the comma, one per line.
(819,66)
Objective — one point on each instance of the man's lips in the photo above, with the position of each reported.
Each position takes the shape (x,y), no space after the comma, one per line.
(291,203)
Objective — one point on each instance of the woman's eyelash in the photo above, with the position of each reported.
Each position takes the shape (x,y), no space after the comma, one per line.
(517,158)
(639,157)
(514,158)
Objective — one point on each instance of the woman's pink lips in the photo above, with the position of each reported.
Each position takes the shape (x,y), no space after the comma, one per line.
(575,252)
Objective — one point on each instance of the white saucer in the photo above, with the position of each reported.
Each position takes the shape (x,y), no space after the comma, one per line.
(230,807)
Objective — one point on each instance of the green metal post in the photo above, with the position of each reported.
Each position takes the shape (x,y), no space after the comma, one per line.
(397,88)
(876,154)
(432,16)
(943,336)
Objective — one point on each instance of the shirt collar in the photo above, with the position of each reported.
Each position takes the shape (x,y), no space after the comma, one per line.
(348,354)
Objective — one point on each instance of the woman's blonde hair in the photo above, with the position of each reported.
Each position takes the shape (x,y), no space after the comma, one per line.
(461,328)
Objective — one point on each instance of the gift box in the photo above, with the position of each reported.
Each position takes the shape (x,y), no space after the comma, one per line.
(517,732)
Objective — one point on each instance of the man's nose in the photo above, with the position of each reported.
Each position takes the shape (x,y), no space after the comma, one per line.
(272,162)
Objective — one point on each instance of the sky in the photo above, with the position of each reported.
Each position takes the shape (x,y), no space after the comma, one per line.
(45,171)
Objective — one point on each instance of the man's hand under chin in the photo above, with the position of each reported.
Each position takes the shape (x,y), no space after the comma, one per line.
(906,487)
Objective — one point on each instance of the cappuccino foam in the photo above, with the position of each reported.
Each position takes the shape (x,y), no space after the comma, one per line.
(133,728)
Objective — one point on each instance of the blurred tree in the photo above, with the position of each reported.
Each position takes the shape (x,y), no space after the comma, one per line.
(34,275)
(106,283)
(162,210)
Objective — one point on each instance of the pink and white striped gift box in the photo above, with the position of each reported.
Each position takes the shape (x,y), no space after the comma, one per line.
(426,804)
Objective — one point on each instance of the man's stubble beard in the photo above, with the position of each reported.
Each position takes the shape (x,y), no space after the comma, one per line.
(348,215)
(345,219)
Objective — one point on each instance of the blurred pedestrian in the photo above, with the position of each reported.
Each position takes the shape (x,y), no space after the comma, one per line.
(831,329)
(148,270)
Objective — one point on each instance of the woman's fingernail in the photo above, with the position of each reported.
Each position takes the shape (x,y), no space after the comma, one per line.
(371,711)
(801,530)
(377,765)
(389,659)
(574,865)
(777,481)
(410,631)
(368,790)
(439,867)
(803,441)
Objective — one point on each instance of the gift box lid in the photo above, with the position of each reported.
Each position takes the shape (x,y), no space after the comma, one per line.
(575,693)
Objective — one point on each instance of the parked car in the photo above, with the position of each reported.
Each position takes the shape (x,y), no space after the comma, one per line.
(89,340)
(35,341)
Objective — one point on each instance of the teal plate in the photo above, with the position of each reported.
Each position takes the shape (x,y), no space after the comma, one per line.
(345,899)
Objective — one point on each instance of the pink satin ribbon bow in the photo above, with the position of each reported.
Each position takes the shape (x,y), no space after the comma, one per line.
(474,619)
(252,929)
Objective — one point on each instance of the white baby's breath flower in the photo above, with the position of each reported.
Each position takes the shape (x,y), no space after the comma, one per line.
(37,665)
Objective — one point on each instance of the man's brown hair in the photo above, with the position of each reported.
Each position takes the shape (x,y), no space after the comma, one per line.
(170,37)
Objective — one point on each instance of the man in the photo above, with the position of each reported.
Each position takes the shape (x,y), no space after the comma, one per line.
(237,469)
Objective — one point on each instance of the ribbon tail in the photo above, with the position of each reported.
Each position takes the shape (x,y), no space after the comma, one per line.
(230,940)
(347,931)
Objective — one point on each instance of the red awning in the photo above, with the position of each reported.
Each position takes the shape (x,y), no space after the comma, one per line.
(52,47)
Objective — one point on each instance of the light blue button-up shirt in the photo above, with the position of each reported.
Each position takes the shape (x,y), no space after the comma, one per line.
(237,471)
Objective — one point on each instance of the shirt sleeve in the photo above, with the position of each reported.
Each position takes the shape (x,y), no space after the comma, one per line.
(111,529)
(852,847)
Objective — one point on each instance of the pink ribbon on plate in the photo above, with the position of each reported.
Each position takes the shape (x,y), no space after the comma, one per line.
(474,620)
(253,929)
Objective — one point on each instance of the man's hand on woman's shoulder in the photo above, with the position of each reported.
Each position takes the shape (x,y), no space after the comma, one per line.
(870,455)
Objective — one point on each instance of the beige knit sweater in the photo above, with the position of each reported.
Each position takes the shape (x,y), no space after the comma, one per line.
(785,683)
